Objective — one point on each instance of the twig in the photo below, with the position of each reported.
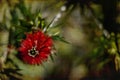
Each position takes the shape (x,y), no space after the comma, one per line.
(99,23)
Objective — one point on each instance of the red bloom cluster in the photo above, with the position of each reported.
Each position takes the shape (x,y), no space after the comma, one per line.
(35,48)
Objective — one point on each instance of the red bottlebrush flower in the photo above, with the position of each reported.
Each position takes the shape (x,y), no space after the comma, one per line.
(35,48)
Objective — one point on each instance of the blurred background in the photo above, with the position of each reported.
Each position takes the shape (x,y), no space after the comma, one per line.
(92,28)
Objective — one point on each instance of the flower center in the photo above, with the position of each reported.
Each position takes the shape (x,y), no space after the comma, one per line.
(33,52)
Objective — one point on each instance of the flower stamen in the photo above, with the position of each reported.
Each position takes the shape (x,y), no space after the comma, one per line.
(33,52)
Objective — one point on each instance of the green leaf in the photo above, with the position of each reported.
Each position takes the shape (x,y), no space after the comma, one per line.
(60,38)
(25,24)
(51,56)
(48,26)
